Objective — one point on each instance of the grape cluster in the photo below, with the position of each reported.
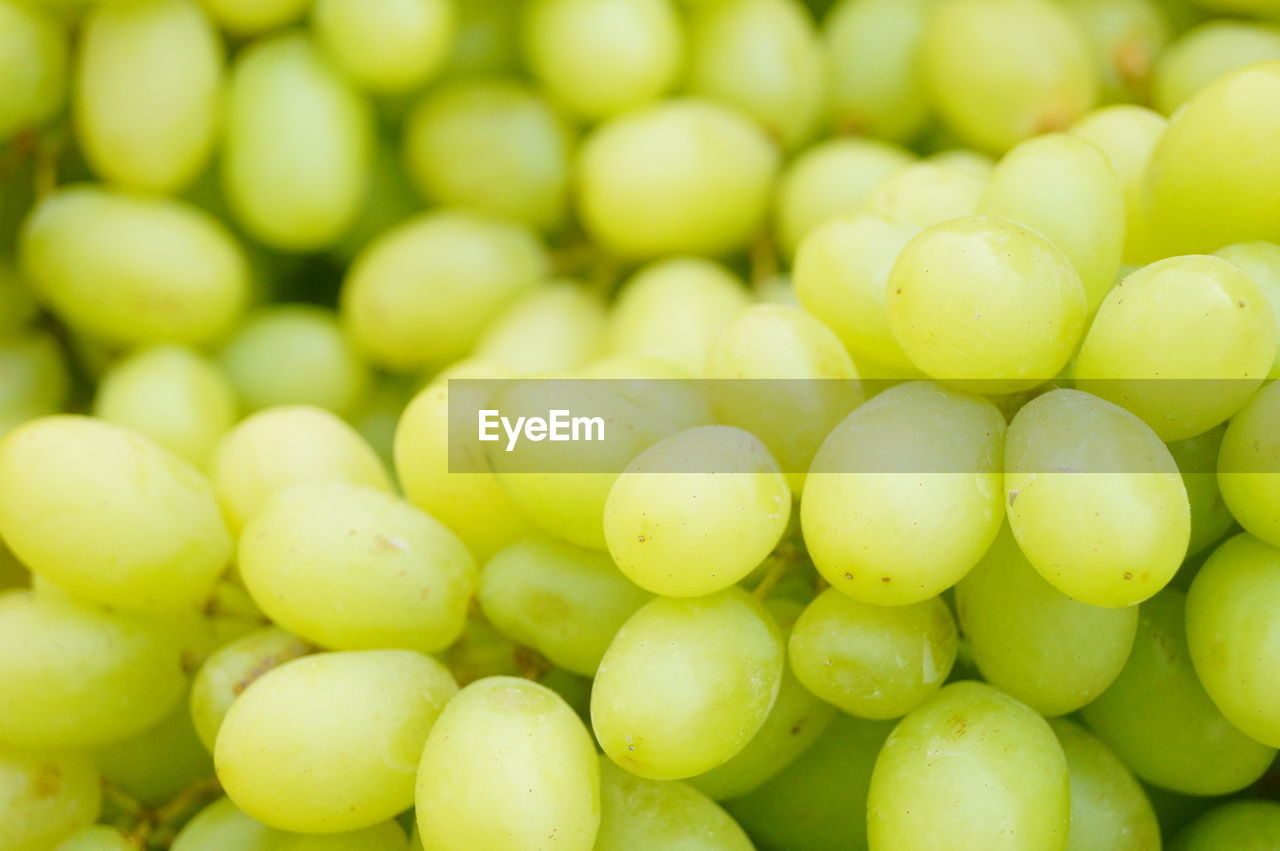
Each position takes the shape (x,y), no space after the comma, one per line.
(938,344)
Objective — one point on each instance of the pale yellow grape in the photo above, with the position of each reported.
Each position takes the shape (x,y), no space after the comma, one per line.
(640,815)
(1212,177)
(696,512)
(1128,134)
(873,48)
(1182,343)
(131,765)
(972,768)
(840,275)
(110,516)
(223,825)
(963,159)
(45,796)
(298,146)
(147,94)
(986,298)
(687,683)
(251,17)
(597,58)
(1066,189)
(1109,810)
(355,568)
(422,293)
(388,46)
(1246,825)
(1197,459)
(78,676)
(96,838)
(556,328)
(874,662)
(1053,653)
(1094,499)
(33,58)
(179,399)
(1233,643)
(289,445)
(133,270)
(1157,717)
(1125,37)
(764,58)
(1000,71)
(1206,53)
(680,176)
(330,742)
(672,310)
(831,180)
(294,354)
(1249,465)
(508,766)
(564,601)
(1261,261)
(37,379)
(926,193)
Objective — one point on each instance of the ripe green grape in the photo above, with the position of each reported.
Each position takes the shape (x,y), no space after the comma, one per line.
(96,838)
(384,836)
(131,765)
(1125,38)
(491,145)
(679,176)
(639,815)
(972,768)
(1094,499)
(557,328)
(1197,459)
(131,269)
(1249,465)
(1109,810)
(146,99)
(421,294)
(1157,717)
(330,742)
(109,516)
(1206,53)
(1183,343)
(904,496)
(33,66)
(223,825)
(388,46)
(36,377)
(251,17)
(1261,261)
(508,764)
(1051,652)
(297,148)
(927,193)
(1236,825)
(45,796)
(686,683)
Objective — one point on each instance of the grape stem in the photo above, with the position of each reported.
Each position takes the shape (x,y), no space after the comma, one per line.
(164,818)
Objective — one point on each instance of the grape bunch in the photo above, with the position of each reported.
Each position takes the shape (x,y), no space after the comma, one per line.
(934,347)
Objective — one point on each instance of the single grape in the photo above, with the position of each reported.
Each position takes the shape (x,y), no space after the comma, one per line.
(96,838)
(1249,465)
(1260,261)
(639,815)
(1206,53)
(387,46)
(45,796)
(252,17)
(33,65)
(37,378)
(927,193)
(1109,810)
(1126,38)
(559,327)
(1236,825)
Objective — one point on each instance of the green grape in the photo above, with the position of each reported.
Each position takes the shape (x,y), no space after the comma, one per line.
(1197,459)
(294,354)
(1206,53)
(157,764)
(96,838)
(384,836)
(387,46)
(508,765)
(764,58)
(875,662)
(491,145)
(1094,499)
(172,395)
(840,275)
(330,742)
(597,58)
(147,91)
(486,38)
(1157,717)
(1109,810)
(222,825)
(1066,189)
(36,379)
(1000,71)
(972,768)
(279,447)
(251,17)
(78,676)
(1128,134)
(354,568)
(1232,643)
(1033,642)
(1212,175)
(687,683)
(109,516)
(565,602)
(1125,38)
(831,180)
(556,328)
(904,496)
(680,176)
(1261,261)
(640,815)
(986,298)
(1234,826)
(130,269)
(33,59)
(1249,466)
(673,309)
(298,146)
(927,193)
(687,531)
(1182,343)
(422,293)
(962,159)
(45,796)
